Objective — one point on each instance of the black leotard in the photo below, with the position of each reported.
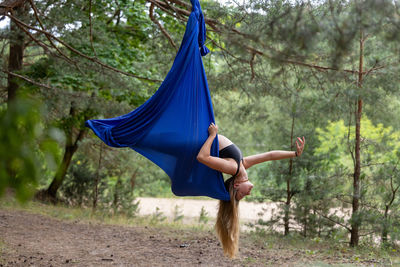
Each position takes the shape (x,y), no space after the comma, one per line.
(232,151)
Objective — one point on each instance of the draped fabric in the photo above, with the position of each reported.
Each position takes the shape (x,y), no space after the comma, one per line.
(170,128)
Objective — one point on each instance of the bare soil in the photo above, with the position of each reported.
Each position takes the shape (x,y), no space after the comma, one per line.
(32,239)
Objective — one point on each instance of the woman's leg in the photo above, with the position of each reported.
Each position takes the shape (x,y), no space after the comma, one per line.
(275,154)
(267,156)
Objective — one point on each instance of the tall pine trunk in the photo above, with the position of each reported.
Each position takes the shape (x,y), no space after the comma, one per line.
(15,58)
(17,46)
(384,235)
(289,193)
(355,218)
(96,182)
(385,227)
(117,189)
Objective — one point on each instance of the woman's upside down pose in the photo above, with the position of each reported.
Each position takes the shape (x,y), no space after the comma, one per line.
(231,161)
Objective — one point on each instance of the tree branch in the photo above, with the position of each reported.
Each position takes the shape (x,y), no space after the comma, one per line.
(168,11)
(80,53)
(9,5)
(225,50)
(173,8)
(178,2)
(253,56)
(35,11)
(330,219)
(151,15)
(44,85)
(217,26)
(90,28)
(116,13)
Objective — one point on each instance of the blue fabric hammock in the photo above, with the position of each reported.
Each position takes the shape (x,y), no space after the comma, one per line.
(170,128)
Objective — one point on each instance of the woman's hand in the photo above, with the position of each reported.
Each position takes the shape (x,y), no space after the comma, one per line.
(212,129)
(300,147)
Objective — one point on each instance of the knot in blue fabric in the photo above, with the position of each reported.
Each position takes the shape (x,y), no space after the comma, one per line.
(202,36)
(204,50)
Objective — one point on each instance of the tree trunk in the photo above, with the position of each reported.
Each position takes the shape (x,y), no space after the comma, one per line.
(62,169)
(96,187)
(116,194)
(385,226)
(355,222)
(17,46)
(319,227)
(133,179)
(287,213)
(70,149)
(386,214)
(288,190)
(305,222)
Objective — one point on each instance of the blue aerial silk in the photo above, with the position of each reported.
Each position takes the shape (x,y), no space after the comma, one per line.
(170,128)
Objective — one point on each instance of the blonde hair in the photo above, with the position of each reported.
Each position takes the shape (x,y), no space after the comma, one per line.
(227,224)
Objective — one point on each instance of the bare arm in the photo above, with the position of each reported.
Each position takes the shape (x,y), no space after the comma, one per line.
(275,154)
(215,163)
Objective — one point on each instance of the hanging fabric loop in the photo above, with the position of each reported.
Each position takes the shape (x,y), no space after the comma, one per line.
(170,127)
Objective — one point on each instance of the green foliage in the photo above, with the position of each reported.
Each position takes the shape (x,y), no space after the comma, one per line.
(203,218)
(79,184)
(26,147)
(379,144)
(151,181)
(121,33)
(178,214)
(117,197)
(158,216)
(380,177)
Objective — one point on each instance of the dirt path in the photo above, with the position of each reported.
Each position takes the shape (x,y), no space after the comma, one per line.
(43,241)
(31,239)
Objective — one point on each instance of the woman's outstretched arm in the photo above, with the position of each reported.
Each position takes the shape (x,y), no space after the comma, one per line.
(275,154)
(215,163)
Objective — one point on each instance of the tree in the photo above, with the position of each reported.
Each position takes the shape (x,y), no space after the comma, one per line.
(17,43)
(380,152)
(61,64)
(304,33)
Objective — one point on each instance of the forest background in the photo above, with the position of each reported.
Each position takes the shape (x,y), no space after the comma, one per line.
(326,70)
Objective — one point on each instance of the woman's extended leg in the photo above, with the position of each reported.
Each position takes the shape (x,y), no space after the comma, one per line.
(275,154)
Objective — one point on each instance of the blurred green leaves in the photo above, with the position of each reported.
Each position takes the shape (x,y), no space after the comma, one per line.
(26,146)
(379,144)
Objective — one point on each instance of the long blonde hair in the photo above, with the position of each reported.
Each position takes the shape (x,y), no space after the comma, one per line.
(227,224)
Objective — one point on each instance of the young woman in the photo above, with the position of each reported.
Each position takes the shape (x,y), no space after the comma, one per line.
(231,161)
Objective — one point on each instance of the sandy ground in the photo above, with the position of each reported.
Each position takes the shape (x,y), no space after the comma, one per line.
(191,208)
(250,212)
